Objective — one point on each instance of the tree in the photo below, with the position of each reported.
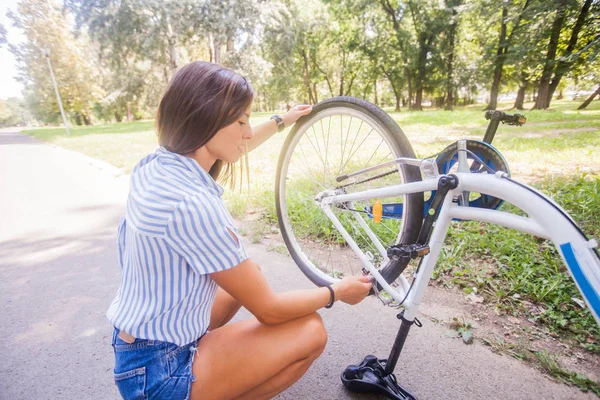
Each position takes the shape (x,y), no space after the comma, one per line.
(221,21)
(290,36)
(47,33)
(129,31)
(427,26)
(504,44)
(452,8)
(12,112)
(553,69)
(589,99)
(566,59)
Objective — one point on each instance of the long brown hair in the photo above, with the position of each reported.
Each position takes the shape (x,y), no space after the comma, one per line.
(201,99)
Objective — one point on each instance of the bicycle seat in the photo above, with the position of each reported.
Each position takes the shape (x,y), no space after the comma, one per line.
(370,377)
(509,119)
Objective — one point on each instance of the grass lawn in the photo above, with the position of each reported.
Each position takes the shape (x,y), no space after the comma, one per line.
(558,151)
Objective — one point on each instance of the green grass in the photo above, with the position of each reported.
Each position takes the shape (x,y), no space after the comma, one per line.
(551,366)
(544,361)
(558,150)
(122,145)
(514,270)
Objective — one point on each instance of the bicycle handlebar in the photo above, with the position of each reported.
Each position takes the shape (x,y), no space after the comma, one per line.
(509,119)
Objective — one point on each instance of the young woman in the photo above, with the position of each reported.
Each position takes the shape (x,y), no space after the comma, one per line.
(184,269)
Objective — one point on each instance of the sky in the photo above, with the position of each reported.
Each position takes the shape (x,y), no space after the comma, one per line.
(9,87)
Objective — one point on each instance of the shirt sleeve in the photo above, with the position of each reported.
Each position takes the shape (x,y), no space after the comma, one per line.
(200,230)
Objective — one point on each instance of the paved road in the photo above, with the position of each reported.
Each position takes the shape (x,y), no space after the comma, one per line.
(58,274)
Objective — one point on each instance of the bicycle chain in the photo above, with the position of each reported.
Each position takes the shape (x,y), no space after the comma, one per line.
(367,180)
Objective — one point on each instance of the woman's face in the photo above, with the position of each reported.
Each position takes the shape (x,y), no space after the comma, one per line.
(229,143)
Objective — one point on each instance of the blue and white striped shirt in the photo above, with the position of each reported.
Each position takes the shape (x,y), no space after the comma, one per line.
(175,232)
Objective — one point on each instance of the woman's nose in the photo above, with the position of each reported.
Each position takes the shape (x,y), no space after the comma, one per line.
(248,134)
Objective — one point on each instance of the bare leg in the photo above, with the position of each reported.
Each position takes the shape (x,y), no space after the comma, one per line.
(224,308)
(253,360)
(281,381)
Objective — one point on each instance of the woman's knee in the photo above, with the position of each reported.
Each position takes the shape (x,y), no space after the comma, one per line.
(314,331)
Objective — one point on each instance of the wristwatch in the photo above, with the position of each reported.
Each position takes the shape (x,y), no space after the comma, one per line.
(279,121)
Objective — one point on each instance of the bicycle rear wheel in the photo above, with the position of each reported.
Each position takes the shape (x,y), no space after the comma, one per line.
(340,136)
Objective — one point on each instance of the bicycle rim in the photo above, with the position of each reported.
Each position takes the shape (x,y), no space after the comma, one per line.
(337,140)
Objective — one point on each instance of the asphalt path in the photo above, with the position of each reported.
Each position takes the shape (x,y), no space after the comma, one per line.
(58,273)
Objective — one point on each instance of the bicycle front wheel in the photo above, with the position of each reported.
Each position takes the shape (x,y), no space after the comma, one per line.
(340,136)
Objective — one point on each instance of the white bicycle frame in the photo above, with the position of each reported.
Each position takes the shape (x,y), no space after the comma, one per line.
(545,219)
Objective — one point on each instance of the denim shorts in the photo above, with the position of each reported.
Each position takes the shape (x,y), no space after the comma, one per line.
(152,369)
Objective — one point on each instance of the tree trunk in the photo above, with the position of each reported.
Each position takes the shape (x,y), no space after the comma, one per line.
(396,88)
(564,63)
(499,62)
(343,71)
(349,90)
(542,100)
(408,75)
(391,12)
(312,100)
(172,48)
(521,96)
(217,52)
(118,116)
(589,99)
(503,46)
(375,92)
(522,90)
(421,65)
(450,63)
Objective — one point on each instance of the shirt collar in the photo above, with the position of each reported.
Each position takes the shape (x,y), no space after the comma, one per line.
(193,166)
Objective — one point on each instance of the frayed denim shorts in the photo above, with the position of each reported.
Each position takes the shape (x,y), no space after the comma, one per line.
(152,369)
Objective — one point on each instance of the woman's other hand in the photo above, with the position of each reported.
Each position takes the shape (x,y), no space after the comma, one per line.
(290,117)
(352,289)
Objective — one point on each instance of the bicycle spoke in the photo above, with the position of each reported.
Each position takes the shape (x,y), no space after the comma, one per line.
(345,141)
(353,143)
(309,170)
(357,148)
(372,155)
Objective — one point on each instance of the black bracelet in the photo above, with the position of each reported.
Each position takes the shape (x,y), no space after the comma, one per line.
(332,299)
(279,121)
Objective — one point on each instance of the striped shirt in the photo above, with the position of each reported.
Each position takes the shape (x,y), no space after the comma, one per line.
(175,233)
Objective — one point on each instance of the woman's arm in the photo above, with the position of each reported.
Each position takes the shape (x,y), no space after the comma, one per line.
(267,129)
(247,285)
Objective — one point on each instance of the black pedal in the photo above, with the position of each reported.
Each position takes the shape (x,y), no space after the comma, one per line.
(370,377)
(407,251)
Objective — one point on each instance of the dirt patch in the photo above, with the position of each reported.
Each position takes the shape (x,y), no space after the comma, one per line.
(514,336)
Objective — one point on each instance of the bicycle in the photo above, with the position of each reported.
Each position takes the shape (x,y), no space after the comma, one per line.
(334,224)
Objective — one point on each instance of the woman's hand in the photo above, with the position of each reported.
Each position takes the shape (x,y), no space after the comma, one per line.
(290,117)
(352,289)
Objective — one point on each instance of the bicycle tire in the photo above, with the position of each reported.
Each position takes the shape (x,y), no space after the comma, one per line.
(398,146)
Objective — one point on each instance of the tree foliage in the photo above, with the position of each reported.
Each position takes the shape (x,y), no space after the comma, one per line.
(49,39)
(113,58)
